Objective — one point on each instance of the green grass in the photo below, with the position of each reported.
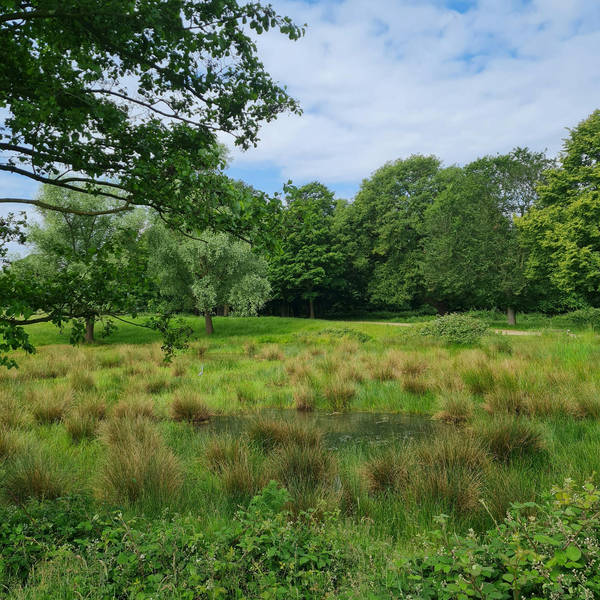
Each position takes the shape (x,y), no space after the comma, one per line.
(541,391)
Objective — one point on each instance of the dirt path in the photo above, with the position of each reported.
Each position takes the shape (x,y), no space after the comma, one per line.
(500,331)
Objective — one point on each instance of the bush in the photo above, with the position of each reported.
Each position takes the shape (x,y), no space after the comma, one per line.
(554,555)
(582,318)
(456,329)
(508,437)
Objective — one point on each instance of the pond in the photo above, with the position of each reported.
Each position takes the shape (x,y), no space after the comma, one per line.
(340,429)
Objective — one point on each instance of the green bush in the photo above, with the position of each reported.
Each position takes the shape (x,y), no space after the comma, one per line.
(549,550)
(456,329)
(580,319)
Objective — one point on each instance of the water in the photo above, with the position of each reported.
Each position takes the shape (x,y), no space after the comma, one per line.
(339,429)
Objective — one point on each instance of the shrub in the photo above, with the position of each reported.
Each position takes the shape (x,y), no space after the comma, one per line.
(456,329)
(508,437)
(33,473)
(268,434)
(137,465)
(188,406)
(456,409)
(584,317)
(389,470)
(339,393)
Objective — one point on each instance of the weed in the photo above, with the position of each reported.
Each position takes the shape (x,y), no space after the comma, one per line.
(250,348)
(388,470)
(10,442)
(305,397)
(158,384)
(271,352)
(480,379)
(49,405)
(81,381)
(136,407)
(268,434)
(415,384)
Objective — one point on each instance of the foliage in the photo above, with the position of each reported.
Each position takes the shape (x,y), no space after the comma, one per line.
(215,270)
(307,260)
(455,329)
(561,230)
(548,550)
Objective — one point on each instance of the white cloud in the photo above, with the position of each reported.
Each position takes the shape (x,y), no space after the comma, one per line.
(381,79)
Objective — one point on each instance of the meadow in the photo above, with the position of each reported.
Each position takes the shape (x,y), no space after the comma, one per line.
(115,428)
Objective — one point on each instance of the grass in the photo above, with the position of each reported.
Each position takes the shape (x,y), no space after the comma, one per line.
(513,417)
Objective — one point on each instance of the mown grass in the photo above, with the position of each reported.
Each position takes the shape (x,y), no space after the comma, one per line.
(513,417)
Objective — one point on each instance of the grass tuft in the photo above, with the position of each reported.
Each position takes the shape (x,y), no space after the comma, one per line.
(268,434)
(456,409)
(188,406)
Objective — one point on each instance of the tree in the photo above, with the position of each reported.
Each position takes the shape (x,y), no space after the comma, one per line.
(385,221)
(561,231)
(306,262)
(85,267)
(215,270)
(124,100)
(467,242)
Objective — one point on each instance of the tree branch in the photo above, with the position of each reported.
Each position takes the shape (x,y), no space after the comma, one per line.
(62,209)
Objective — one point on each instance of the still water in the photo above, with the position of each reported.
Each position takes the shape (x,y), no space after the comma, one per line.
(339,429)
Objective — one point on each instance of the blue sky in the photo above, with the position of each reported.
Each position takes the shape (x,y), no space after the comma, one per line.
(382,79)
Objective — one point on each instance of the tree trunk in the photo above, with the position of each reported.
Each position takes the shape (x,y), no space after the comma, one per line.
(511,316)
(311,308)
(89,330)
(208,324)
(226,310)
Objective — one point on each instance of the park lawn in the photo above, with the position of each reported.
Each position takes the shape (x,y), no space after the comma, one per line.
(511,417)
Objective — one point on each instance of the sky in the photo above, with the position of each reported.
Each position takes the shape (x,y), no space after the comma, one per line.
(379,80)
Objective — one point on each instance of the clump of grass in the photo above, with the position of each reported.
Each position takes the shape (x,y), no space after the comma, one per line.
(456,409)
(200,349)
(49,404)
(138,465)
(271,352)
(586,403)
(12,413)
(188,406)
(32,473)
(298,369)
(452,467)
(388,471)
(158,384)
(507,397)
(413,366)
(81,381)
(81,425)
(508,437)
(136,407)
(230,458)
(307,471)
(305,397)
(179,369)
(109,360)
(500,344)
(415,384)
(479,379)
(339,392)
(250,348)
(246,393)
(10,442)
(95,407)
(268,434)
(386,367)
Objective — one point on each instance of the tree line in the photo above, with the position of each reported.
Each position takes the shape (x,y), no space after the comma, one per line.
(518,231)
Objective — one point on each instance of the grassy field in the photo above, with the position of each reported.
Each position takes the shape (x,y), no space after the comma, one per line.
(114,424)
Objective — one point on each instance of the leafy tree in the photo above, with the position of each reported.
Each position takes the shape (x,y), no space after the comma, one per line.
(561,231)
(125,99)
(385,222)
(84,267)
(214,270)
(307,263)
